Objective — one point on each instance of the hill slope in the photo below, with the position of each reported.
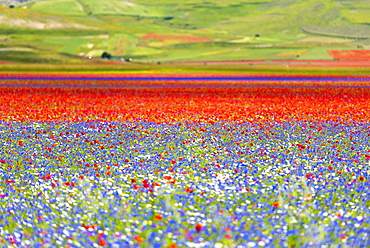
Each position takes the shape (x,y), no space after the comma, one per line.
(169,30)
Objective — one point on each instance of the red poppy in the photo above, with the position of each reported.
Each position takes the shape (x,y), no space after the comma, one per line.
(189,190)
(198,227)
(102,242)
(276,204)
(138,239)
(158,216)
(47,177)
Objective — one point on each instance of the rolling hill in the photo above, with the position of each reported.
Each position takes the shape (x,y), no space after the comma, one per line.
(189,30)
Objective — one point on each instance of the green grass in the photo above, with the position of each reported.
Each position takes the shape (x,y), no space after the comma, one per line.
(116,7)
(317,53)
(359,16)
(213,2)
(64,7)
(203,16)
(350,31)
(232,53)
(356,4)
(34,56)
(69,44)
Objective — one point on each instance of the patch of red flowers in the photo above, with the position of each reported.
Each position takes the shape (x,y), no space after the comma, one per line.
(238,104)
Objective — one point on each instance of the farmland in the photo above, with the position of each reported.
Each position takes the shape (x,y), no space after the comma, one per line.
(239,30)
(184,160)
(350,55)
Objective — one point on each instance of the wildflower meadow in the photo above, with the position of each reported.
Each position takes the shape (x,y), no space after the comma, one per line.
(184,160)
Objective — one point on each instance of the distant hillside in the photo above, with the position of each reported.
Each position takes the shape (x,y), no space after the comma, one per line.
(172,30)
(8,3)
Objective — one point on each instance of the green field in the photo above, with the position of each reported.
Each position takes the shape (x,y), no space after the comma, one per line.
(236,29)
(101,67)
(67,7)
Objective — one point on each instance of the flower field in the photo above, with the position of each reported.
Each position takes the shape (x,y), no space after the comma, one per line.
(202,160)
(350,54)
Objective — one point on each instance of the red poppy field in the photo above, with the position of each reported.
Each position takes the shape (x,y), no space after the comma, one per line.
(184,160)
(362,55)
